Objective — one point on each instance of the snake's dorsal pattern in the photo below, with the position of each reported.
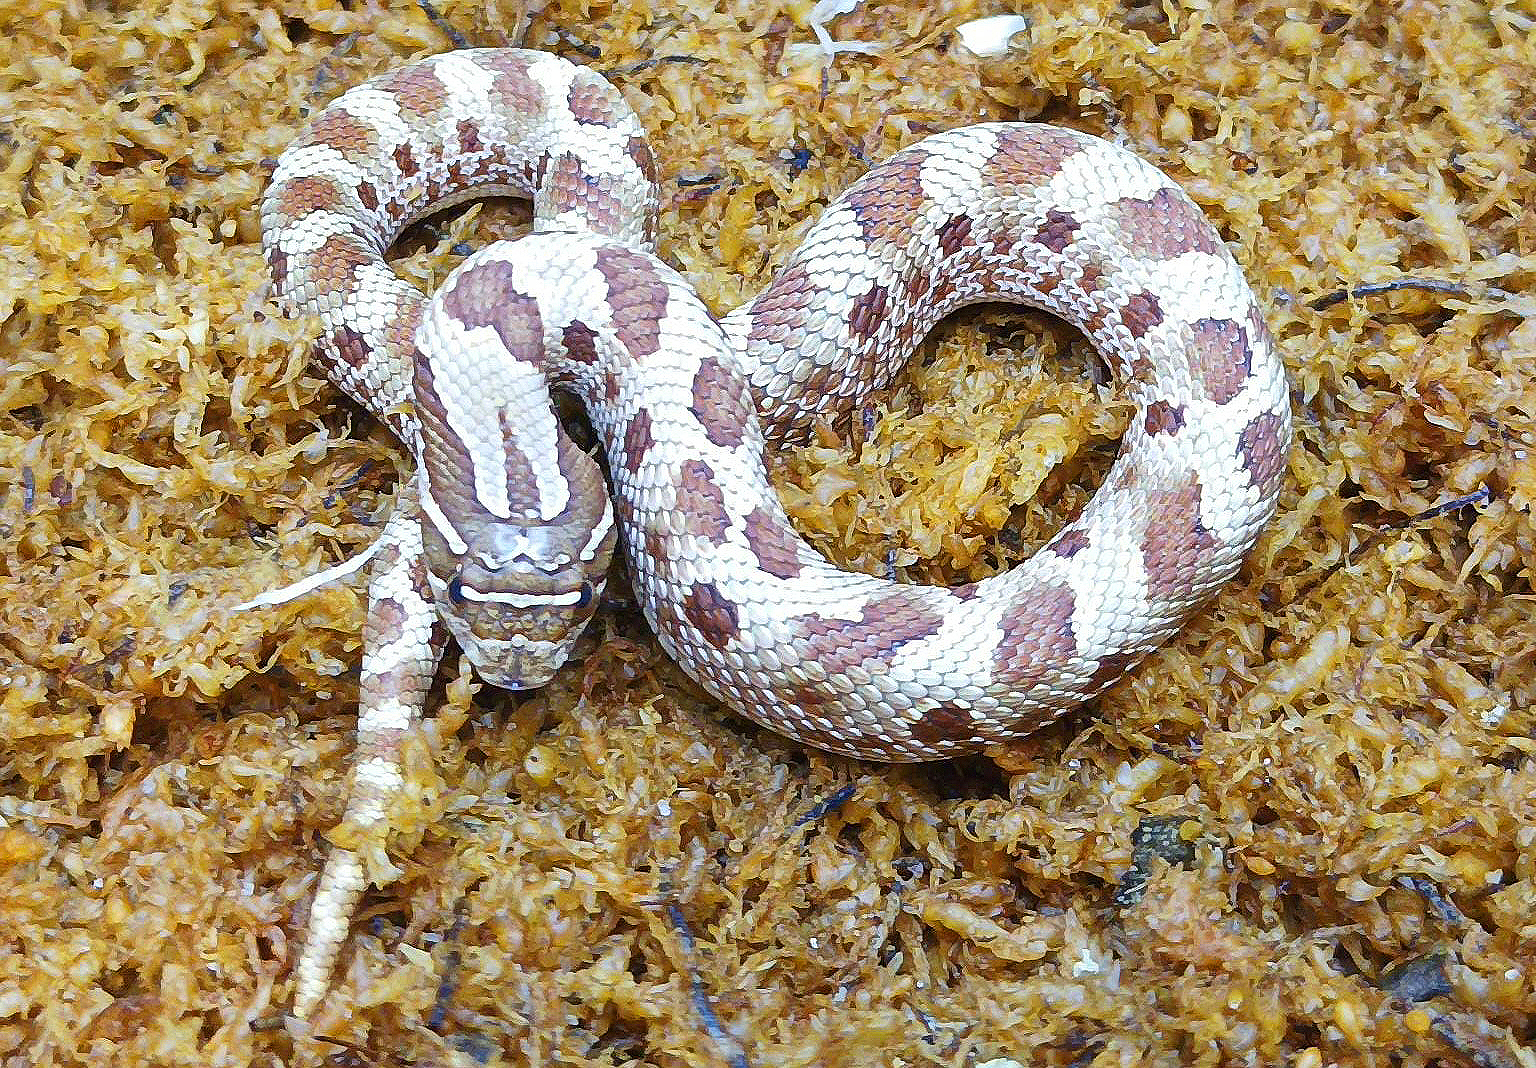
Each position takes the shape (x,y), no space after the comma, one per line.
(505,537)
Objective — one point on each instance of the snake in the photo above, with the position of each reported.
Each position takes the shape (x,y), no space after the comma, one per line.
(502,538)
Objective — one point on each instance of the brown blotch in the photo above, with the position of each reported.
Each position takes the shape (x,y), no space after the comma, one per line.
(886,624)
(1220,357)
(344,132)
(463,173)
(625,513)
(397,682)
(605,212)
(1005,242)
(1164,417)
(1164,226)
(887,201)
(279,264)
(819,383)
(487,295)
(1175,542)
(1028,156)
(656,553)
(1058,230)
(400,328)
(368,196)
(444,457)
(1141,313)
(953,235)
(868,312)
(568,186)
(1037,635)
(780,312)
(385,620)
(637,440)
(522,484)
(1047,281)
(775,547)
(636,297)
(966,592)
(1089,277)
(1070,542)
(300,196)
(719,403)
(715,617)
(590,105)
(418,89)
(639,150)
(944,291)
(812,697)
(405,161)
(335,263)
(944,723)
(351,347)
(512,86)
(580,344)
(1140,367)
(701,502)
(1258,447)
(469,137)
(916,286)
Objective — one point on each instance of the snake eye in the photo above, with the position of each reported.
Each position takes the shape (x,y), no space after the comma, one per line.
(456,590)
(585,596)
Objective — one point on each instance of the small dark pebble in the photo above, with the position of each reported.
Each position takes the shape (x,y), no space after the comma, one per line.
(1417,979)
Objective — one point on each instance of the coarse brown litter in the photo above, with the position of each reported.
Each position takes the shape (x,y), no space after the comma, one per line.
(1302,834)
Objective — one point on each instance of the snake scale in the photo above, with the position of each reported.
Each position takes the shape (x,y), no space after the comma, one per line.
(504,538)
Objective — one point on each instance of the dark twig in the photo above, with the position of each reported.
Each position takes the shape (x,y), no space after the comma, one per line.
(458,39)
(819,810)
(323,75)
(1370,289)
(1444,907)
(449,984)
(1481,495)
(655,61)
(735,1055)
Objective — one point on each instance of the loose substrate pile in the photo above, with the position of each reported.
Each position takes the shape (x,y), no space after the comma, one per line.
(1300,834)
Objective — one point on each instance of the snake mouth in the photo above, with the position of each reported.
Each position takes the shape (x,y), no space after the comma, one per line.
(513,672)
(516,679)
(515,663)
(516,672)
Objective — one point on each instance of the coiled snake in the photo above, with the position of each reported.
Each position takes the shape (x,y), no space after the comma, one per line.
(505,537)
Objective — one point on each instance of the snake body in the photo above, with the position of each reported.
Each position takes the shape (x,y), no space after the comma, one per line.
(504,537)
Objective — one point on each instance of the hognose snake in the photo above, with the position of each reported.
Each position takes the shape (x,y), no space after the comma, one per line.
(504,539)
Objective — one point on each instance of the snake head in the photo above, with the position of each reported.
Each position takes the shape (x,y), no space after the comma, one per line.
(516,594)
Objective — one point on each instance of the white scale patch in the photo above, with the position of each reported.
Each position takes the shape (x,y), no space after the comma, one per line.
(469,89)
(1101,175)
(319,227)
(382,112)
(951,174)
(313,161)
